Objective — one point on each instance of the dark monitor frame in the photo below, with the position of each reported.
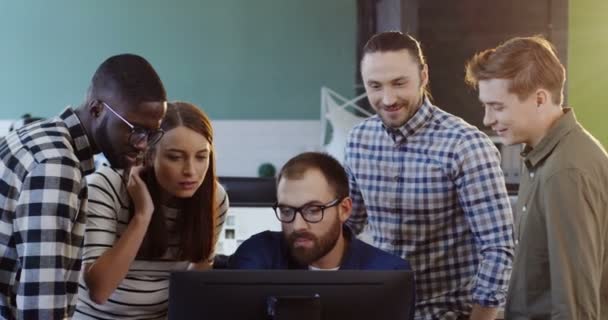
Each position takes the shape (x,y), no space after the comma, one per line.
(243,294)
(250,191)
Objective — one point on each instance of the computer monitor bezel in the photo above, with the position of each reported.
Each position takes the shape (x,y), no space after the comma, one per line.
(242,294)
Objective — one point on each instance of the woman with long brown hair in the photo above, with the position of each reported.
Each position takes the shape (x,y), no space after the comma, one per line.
(165,217)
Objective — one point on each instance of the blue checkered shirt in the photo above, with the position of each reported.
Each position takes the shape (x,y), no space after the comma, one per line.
(433,192)
(43,199)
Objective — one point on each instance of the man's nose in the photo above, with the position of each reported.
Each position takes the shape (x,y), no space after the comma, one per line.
(389,97)
(298,222)
(488,117)
(141,146)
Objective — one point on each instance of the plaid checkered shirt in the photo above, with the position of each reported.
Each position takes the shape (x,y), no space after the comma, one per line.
(43,200)
(433,192)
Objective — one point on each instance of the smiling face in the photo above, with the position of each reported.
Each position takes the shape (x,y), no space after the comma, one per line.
(513,120)
(181,160)
(394,83)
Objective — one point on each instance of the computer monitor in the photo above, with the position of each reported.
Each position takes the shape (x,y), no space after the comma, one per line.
(250,191)
(250,212)
(248,294)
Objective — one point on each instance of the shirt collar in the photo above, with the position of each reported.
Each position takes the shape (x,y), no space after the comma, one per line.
(417,121)
(80,141)
(565,124)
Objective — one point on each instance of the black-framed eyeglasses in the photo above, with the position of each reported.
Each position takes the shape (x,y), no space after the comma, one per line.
(139,134)
(312,213)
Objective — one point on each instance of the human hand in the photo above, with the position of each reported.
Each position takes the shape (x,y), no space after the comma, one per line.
(144,206)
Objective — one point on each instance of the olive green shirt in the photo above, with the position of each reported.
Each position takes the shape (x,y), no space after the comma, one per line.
(561,259)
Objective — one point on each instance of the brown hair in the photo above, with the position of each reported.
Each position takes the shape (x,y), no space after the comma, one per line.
(529,62)
(195,223)
(331,169)
(397,41)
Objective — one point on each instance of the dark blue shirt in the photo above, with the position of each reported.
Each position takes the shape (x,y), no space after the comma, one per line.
(269,250)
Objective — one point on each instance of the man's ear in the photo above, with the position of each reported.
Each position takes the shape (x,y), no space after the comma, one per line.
(346,207)
(542,97)
(94,107)
(424,76)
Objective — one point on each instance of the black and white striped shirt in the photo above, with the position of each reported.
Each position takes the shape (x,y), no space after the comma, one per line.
(144,292)
(43,201)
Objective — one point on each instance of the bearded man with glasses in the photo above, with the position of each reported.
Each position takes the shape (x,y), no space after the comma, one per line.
(312,204)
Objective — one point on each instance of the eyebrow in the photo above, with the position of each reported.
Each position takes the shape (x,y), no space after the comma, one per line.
(140,125)
(313,202)
(206,150)
(402,78)
(492,103)
(135,123)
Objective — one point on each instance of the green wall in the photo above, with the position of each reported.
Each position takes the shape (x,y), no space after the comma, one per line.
(237,59)
(588,65)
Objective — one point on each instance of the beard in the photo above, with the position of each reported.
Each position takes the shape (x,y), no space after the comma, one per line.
(408,107)
(321,245)
(109,149)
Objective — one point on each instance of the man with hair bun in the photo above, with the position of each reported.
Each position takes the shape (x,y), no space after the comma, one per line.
(429,187)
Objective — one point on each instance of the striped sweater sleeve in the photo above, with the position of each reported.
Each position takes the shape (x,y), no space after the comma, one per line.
(105,188)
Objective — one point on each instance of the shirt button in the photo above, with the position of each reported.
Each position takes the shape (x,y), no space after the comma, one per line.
(524,209)
(531,175)
(396,178)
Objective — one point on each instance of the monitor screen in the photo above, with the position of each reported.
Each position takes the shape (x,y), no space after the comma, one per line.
(249,294)
(250,191)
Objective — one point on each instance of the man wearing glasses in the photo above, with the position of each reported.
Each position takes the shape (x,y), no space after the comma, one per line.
(43,191)
(313,204)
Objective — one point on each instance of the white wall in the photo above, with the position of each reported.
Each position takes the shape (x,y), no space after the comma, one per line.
(243,222)
(4,125)
(243,145)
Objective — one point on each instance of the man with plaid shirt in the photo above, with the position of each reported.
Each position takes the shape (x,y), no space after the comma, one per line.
(429,187)
(43,193)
